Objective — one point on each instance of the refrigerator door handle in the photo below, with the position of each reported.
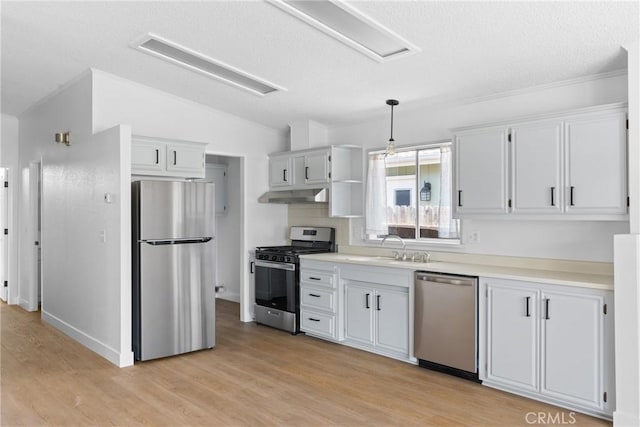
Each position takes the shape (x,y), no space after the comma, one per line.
(177,241)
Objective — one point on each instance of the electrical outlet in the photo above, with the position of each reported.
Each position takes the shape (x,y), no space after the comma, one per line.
(473,237)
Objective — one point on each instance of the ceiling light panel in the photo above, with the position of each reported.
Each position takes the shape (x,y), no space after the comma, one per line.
(350,26)
(195,61)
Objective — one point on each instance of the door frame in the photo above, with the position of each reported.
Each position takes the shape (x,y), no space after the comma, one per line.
(32,280)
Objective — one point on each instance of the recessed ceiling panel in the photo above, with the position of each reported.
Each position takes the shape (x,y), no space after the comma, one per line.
(350,26)
(180,55)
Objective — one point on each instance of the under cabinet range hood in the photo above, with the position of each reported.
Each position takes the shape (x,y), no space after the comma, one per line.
(316,195)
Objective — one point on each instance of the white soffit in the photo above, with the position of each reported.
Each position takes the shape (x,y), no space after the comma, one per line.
(350,26)
(195,61)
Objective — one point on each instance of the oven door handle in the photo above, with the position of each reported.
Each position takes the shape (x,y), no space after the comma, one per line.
(276,265)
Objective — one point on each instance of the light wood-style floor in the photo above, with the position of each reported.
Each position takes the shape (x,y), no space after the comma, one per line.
(254,376)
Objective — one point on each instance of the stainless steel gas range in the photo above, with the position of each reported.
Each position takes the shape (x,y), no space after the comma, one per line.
(277,276)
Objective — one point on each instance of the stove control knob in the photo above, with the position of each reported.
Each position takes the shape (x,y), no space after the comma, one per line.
(274,257)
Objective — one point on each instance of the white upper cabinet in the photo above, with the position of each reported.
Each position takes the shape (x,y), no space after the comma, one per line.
(280,171)
(481,171)
(316,168)
(158,157)
(536,159)
(338,168)
(148,156)
(546,167)
(596,167)
(185,158)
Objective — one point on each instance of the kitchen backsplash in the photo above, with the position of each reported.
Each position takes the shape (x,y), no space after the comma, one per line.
(318,215)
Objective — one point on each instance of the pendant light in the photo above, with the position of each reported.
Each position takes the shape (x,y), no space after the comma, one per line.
(391,145)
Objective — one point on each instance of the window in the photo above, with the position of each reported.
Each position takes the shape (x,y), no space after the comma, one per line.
(409,194)
(403,197)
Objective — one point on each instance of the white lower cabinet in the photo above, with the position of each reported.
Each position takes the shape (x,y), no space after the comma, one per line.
(377,310)
(319,300)
(377,317)
(549,342)
(360,306)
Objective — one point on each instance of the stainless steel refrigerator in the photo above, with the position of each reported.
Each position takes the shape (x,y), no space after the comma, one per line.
(173,298)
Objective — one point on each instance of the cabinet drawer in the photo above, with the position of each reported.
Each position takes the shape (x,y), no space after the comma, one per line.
(317,323)
(318,298)
(317,278)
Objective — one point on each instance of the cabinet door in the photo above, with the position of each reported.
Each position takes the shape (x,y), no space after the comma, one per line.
(359,313)
(596,167)
(392,320)
(280,171)
(536,153)
(218,175)
(186,159)
(512,336)
(316,168)
(572,342)
(147,156)
(480,164)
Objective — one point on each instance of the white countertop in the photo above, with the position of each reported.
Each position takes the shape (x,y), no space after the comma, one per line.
(594,281)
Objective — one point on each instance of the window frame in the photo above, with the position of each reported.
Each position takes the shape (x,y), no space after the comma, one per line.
(420,242)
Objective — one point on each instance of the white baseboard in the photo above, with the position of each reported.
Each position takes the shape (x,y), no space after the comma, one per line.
(26,305)
(621,419)
(229,296)
(112,355)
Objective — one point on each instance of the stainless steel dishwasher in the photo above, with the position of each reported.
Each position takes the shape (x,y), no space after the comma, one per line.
(446,323)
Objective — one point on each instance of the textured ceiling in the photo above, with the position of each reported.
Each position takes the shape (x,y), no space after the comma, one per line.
(468,49)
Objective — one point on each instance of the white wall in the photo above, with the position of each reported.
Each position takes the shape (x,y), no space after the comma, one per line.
(86,284)
(413,124)
(151,112)
(9,160)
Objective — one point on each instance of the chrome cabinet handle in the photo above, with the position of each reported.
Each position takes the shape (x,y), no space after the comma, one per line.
(157,156)
(527,313)
(313,320)
(251,265)
(378,302)
(367,301)
(306,172)
(314,278)
(314,295)
(175,157)
(284,175)
(460,198)
(553,194)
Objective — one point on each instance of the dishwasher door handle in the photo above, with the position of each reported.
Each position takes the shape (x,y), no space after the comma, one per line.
(446,281)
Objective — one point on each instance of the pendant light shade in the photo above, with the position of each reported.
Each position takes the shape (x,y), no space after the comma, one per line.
(391,145)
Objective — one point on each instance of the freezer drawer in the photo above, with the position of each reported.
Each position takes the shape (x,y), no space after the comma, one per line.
(176,301)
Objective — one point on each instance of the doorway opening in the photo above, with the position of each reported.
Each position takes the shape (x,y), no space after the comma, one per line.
(227,172)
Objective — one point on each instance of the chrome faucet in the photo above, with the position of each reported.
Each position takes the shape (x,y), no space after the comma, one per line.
(404,245)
